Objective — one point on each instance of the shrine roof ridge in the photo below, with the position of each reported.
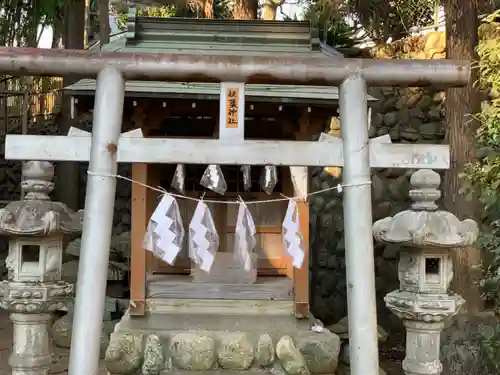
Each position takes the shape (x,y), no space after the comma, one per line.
(245,37)
(216,36)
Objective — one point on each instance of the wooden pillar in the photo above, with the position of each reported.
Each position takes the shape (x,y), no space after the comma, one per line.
(299,176)
(144,201)
(300,181)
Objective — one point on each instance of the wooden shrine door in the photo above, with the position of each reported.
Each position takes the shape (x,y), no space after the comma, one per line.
(268,218)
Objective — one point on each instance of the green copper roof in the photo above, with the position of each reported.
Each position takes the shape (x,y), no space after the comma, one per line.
(209,36)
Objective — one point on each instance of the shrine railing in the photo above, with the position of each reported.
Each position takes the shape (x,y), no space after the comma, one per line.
(354,152)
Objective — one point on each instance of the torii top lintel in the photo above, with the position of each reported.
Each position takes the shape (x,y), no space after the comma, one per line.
(290,69)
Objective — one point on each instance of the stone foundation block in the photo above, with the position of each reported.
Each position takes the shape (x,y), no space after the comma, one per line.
(125,353)
(264,352)
(262,349)
(290,357)
(154,360)
(320,350)
(235,352)
(193,351)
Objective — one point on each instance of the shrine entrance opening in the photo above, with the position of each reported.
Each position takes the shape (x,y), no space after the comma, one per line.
(268,217)
(354,152)
(264,120)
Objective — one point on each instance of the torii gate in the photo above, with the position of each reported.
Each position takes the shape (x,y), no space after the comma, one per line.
(107,148)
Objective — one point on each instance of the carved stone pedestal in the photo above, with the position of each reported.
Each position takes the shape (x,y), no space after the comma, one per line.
(423,300)
(31,348)
(422,348)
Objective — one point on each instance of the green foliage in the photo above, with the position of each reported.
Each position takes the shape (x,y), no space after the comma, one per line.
(20,20)
(153,11)
(489,349)
(482,177)
(380,19)
(393,18)
(331,25)
(180,9)
(490,243)
(162,12)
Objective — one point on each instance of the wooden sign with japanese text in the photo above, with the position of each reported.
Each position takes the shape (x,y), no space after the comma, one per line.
(232,107)
(232,112)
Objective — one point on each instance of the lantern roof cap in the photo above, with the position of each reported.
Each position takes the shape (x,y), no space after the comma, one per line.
(425,225)
(36,214)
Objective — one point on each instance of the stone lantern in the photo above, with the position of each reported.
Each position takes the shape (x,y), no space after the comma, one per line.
(34,290)
(424,301)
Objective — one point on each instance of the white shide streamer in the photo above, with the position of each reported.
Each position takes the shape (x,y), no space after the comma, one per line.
(245,242)
(203,237)
(165,232)
(292,237)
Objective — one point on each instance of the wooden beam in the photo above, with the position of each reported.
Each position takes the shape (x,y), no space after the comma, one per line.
(138,253)
(144,201)
(301,275)
(141,200)
(299,177)
(202,151)
(300,180)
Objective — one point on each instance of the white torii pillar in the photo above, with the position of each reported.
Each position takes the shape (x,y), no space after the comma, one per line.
(106,148)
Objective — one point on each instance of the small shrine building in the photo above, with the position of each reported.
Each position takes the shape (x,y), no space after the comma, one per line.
(191,110)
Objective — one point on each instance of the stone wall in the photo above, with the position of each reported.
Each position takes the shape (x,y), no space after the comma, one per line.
(410,115)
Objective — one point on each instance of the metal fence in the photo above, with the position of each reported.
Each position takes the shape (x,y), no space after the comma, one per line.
(27,102)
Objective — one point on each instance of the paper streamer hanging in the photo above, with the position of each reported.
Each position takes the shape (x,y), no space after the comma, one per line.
(179,178)
(213,179)
(269,179)
(203,237)
(292,237)
(165,231)
(244,243)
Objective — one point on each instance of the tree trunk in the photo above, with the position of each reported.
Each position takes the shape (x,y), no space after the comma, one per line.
(103,22)
(245,9)
(269,12)
(270,8)
(461,40)
(86,22)
(67,183)
(208,9)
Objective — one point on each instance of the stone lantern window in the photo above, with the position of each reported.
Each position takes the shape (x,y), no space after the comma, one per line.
(39,259)
(425,270)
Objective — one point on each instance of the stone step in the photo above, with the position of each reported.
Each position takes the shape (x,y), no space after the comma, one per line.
(168,324)
(189,306)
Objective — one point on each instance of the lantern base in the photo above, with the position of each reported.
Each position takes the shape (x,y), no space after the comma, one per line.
(31,353)
(34,297)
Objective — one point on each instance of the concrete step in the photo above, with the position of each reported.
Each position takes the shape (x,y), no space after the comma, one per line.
(168,324)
